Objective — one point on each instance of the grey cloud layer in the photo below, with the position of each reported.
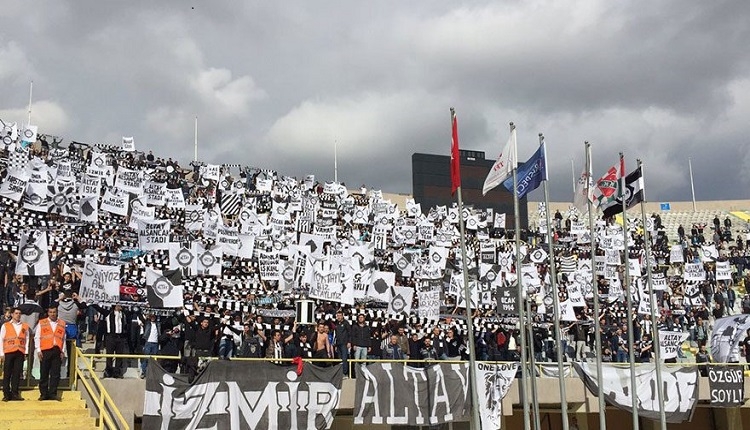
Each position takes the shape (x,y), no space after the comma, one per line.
(274,84)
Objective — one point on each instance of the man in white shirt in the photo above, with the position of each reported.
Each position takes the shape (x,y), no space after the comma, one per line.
(15,337)
(50,341)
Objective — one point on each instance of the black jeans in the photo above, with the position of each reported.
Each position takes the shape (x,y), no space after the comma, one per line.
(12,370)
(115,344)
(49,372)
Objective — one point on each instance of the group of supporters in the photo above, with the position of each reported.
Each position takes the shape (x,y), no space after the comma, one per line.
(334,243)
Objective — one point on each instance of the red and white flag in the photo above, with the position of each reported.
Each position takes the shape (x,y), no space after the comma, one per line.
(455,158)
(503,167)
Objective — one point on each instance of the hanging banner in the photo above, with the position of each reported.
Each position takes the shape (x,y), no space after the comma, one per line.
(727,385)
(493,382)
(680,382)
(227,395)
(392,393)
(726,337)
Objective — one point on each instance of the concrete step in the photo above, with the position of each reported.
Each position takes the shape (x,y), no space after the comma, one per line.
(32,414)
(49,423)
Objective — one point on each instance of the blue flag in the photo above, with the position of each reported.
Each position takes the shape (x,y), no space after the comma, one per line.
(531,174)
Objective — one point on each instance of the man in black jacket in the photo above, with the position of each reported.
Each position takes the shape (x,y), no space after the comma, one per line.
(343,342)
(116,325)
(361,338)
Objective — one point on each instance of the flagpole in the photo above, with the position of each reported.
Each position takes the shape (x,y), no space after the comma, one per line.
(595,288)
(654,327)
(336,161)
(521,310)
(475,421)
(195,148)
(573,171)
(532,364)
(629,296)
(31,90)
(692,185)
(555,298)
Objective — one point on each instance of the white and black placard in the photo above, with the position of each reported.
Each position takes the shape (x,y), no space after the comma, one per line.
(727,385)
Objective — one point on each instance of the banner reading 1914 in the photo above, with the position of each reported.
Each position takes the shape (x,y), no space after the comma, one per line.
(242,395)
(393,393)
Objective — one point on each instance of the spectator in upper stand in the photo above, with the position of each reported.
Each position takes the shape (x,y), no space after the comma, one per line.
(252,341)
(645,347)
(302,348)
(361,338)
(701,332)
(428,352)
(681,233)
(717,223)
(452,345)
(558,220)
(415,348)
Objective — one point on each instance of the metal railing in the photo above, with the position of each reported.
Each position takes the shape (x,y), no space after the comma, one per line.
(110,416)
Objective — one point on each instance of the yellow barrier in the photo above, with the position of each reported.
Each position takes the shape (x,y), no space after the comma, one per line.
(104,404)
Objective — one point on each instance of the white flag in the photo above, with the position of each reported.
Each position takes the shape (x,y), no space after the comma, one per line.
(128,144)
(504,165)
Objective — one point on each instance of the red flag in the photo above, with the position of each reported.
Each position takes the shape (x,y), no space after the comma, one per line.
(455,159)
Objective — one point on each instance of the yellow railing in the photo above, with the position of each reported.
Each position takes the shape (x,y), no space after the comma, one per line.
(109,415)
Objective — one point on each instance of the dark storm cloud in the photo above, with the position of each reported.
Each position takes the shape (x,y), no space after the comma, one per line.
(274,84)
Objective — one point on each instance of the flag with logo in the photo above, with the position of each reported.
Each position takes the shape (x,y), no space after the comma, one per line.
(33,254)
(632,196)
(164,288)
(606,189)
(504,165)
(531,174)
(400,303)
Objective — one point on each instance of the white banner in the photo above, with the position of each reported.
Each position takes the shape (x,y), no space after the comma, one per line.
(100,283)
(670,342)
(153,235)
(493,382)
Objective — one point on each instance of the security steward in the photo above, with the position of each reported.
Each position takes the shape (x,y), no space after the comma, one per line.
(50,348)
(15,338)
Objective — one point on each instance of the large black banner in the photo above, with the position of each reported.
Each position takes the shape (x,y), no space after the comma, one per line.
(392,393)
(242,395)
(727,385)
(680,389)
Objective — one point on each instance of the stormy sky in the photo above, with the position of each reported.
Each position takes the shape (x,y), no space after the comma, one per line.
(275,84)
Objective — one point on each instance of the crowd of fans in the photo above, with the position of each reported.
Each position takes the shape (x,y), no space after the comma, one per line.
(264,325)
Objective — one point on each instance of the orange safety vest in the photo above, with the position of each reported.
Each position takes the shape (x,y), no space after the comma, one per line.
(13,343)
(49,339)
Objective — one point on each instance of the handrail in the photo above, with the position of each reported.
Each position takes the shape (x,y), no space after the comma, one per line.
(105,406)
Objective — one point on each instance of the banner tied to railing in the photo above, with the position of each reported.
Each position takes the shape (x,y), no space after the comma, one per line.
(243,395)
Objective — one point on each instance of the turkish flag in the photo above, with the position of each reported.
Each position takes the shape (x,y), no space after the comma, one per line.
(455,159)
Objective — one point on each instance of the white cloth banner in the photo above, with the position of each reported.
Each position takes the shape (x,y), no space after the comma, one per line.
(493,382)
(100,283)
(153,235)
(670,342)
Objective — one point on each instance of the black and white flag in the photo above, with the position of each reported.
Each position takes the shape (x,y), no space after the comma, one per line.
(681,383)
(400,303)
(269,397)
(381,287)
(437,394)
(727,385)
(153,235)
(164,288)
(726,337)
(14,185)
(493,382)
(33,254)
(183,258)
(209,259)
(88,209)
(128,144)
(632,196)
